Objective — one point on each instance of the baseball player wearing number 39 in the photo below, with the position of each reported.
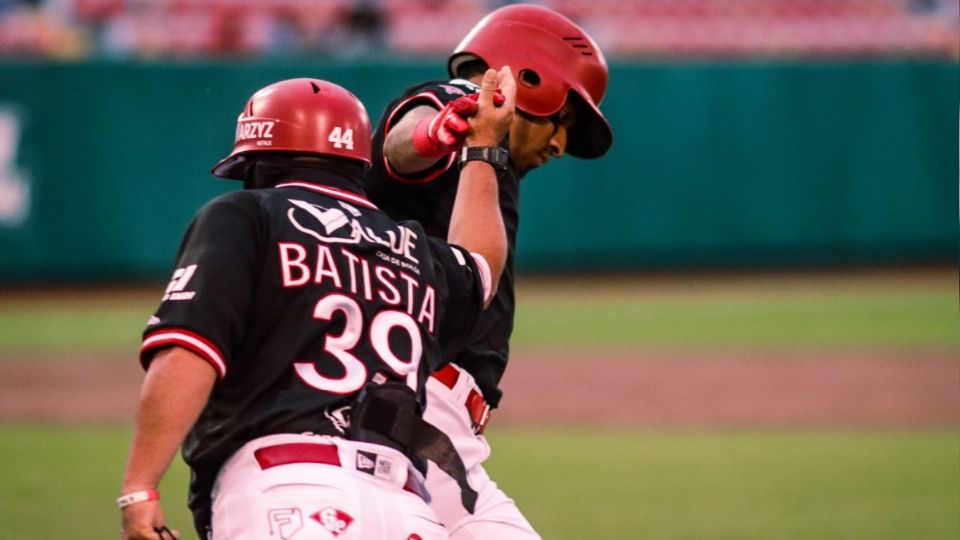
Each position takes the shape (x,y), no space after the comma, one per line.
(290,351)
(561,78)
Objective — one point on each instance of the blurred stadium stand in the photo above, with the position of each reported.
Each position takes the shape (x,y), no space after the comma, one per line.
(676,29)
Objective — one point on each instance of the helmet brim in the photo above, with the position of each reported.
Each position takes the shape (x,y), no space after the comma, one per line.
(231,167)
(591,137)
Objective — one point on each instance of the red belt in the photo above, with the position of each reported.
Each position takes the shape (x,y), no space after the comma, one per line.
(325,454)
(477,407)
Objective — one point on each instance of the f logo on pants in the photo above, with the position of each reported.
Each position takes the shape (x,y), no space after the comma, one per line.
(285,522)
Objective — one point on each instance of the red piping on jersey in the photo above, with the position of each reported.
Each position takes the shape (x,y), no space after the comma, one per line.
(188,340)
(333,192)
(386,163)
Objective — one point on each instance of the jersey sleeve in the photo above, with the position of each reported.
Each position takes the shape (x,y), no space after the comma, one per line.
(205,305)
(436,95)
(466,279)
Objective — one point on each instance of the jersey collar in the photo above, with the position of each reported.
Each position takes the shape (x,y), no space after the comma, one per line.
(331,191)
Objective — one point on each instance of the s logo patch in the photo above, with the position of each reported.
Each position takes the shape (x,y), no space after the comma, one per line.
(333,520)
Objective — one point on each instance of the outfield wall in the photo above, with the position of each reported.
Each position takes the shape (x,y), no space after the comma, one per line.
(102,165)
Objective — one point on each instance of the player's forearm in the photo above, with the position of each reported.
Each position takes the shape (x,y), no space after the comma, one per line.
(174,392)
(476,223)
(398,144)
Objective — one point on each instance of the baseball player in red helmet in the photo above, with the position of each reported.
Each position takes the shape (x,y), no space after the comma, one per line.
(561,78)
(290,350)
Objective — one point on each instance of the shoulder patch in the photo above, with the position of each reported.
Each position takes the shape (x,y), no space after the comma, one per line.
(468,84)
(460,87)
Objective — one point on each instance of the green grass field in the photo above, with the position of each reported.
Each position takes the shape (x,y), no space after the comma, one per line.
(60,482)
(581,483)
(765,314)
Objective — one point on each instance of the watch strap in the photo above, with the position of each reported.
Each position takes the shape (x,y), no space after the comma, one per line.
(493,155)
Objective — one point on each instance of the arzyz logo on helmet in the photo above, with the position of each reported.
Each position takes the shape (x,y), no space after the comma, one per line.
(255,129)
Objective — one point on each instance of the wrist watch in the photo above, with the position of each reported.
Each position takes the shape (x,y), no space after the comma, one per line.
(493,155)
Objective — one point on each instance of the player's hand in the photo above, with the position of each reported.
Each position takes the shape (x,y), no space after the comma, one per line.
(144,521)
(492,121)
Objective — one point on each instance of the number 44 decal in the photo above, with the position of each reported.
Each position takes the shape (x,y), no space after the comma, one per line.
(341,137)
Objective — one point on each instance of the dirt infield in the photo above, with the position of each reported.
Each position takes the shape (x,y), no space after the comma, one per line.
(655,389)
(734,390)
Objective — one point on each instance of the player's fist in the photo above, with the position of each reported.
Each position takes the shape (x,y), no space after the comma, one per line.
(496,104)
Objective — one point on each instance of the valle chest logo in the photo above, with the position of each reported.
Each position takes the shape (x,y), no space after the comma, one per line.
(339,225)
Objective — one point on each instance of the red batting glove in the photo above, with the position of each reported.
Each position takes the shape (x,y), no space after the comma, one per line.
(444,133)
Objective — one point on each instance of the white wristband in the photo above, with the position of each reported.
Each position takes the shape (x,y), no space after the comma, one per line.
(138,496)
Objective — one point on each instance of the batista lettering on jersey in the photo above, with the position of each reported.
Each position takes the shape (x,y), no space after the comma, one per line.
(301,266)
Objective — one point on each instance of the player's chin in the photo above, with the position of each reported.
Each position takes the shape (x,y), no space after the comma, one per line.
(531,164)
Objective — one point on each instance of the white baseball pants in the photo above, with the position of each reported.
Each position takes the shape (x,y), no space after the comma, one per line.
(496,516)
(300,487)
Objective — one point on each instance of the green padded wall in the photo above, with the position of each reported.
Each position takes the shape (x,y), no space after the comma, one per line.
(102,165)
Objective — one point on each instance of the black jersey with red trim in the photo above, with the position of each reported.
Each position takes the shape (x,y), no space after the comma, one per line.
(297,296)
(427,197)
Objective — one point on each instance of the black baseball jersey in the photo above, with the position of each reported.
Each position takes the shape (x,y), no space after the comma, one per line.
(428,197)
(298,295)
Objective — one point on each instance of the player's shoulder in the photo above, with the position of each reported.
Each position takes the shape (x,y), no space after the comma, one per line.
(239,202)
(412,225)
(441,250)
(434,94)
(237,198)
(443,90)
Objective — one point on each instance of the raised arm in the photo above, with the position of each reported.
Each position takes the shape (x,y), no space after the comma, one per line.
(476,222)
(424,135)
(398,145)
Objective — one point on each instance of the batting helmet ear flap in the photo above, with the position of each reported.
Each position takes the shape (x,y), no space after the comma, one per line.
(590,136)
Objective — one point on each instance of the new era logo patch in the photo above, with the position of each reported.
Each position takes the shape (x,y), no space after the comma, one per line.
(366,461)
(374,465)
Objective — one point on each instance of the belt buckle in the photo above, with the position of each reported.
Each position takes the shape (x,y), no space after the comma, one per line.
(479,412)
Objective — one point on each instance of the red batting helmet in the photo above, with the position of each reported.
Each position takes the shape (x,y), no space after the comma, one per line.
(303,116)
(552,58)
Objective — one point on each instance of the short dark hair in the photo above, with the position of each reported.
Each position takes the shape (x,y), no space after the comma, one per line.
(264,169)
(471,68)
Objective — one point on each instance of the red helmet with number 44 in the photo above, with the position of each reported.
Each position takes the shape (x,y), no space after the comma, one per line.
(300,116)
(553,60)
